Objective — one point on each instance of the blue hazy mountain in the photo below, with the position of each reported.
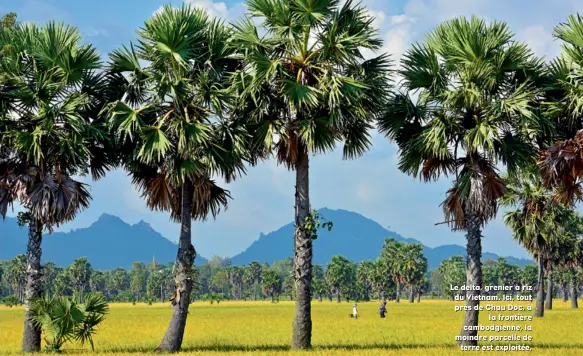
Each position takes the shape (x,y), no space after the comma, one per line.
(108,243)
(353,236)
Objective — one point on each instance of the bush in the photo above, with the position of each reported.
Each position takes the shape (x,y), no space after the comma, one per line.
(63,319)
(11,301)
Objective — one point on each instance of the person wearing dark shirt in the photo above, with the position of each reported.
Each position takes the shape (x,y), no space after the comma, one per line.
(383,309)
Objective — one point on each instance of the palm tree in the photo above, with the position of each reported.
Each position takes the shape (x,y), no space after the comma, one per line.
(538,224)
(474,113)
(560,162)
(80,273)
(364,277)
(16,275)
(169,126)
(50,95)
(414,267)
(394,260)
(306,86)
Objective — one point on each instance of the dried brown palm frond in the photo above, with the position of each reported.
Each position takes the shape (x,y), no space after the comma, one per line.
(562,169)
(477,191)
(54,202)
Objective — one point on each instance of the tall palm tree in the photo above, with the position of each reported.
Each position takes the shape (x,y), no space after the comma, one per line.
(532,223)
(560,163)
(549,231)
(170,127)
(50,95)
(474,113)
(305,87)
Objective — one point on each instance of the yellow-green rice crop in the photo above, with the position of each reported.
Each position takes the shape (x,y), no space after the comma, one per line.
(262,328)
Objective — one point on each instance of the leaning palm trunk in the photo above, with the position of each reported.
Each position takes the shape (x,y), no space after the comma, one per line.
(412,296)
(172,340)
(573,288)
(31,339)
(302,324)
(549,302)
(539,310)
(473,278)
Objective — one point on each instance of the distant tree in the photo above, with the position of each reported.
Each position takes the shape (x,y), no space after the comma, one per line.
(318,283)
(381,279)
(63,284)
(339,273)
(437,282)
(393,259)
(453,272)
(364,278)
(119,280)
(80,273)
(97,282)
(271,283)
(255,270)
(16,276)
(528,277)
(414,267)
(137,276)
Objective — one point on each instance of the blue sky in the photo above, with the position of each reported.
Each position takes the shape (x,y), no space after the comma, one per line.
(263,199)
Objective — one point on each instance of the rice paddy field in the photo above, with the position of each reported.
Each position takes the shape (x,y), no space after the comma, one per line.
(261,328)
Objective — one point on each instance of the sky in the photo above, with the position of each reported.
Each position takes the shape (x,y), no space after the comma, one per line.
(263,199)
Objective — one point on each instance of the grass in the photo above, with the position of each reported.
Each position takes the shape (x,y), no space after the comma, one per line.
(262,328)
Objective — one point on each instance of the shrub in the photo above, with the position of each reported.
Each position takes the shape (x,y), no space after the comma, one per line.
(62,319)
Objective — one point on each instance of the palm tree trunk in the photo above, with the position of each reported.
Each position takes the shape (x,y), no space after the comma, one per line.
(31,339)
(338,295)
(419,297)
(539,310)
(573,287)
(398,300)
(172,340)
(302,324)
(412,296)
(473,278)
(549,302)
(564,291)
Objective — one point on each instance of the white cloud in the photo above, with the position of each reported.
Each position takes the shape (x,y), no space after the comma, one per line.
(94,32)
(378,18)
(540,41)
(213,9)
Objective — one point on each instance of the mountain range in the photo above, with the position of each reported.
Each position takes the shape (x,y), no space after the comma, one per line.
(110,242)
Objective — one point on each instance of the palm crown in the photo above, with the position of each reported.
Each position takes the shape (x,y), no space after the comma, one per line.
(306,84)
(50,99)
(475,110)
(169,117)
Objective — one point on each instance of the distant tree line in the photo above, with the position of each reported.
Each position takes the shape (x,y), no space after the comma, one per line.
(400,269)
(452,272)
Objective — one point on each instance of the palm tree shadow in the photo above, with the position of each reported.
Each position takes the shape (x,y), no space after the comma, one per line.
(348,347)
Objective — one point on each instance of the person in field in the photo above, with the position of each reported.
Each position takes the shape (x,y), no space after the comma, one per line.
(355,311)
(383,309)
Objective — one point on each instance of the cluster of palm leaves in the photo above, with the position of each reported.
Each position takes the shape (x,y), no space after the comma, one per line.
(63,320)
(194,100)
